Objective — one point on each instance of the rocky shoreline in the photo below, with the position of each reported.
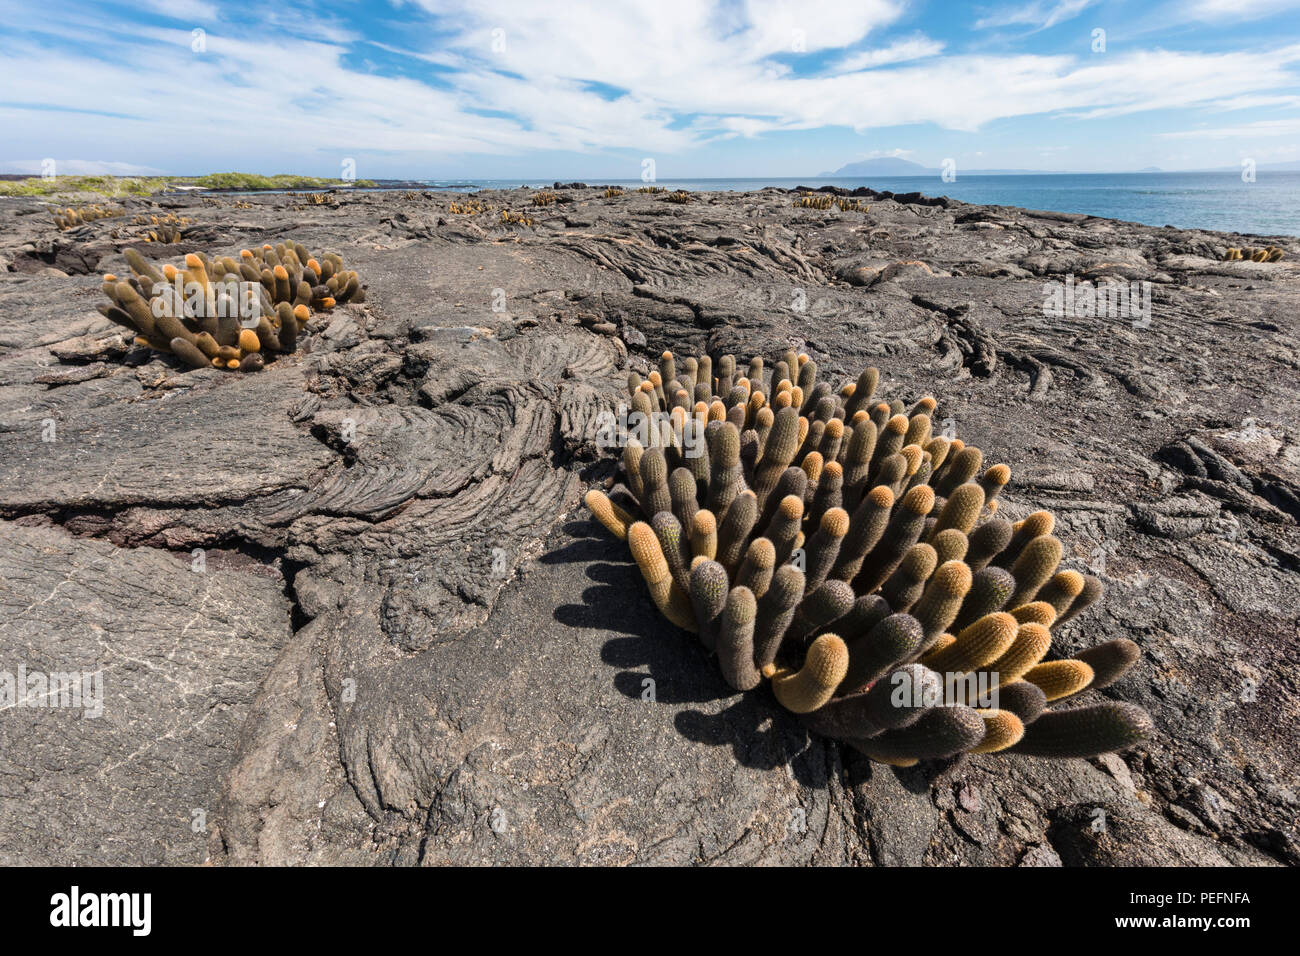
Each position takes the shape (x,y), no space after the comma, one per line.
(349,609)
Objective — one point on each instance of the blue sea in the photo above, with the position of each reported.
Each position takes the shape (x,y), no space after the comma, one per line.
(1270,206)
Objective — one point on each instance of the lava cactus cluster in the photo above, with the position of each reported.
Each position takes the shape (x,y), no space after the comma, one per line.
(830,544)
(69,218)
(227,313)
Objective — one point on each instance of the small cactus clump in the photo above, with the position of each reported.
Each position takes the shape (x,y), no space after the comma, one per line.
(830,544)
(509,218)
(613,192)
(470,207)
(681,197)
(68,218)
(168,229)
(651,189)
(544,198)
(1267,254)
(227,313)
(811,201)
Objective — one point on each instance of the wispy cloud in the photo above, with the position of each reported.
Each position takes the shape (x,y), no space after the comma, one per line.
(1244,132)
(1218,10)
(914,48)
(1040,15)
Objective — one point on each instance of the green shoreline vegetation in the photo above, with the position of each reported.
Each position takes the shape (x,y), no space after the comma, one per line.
(120,186)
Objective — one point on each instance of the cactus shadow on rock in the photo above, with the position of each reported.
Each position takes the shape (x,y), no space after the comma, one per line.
(760,735)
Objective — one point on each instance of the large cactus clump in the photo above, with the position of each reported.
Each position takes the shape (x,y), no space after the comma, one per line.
(227,313)
(831,544)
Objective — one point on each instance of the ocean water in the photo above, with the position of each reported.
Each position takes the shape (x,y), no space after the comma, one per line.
(1270,206)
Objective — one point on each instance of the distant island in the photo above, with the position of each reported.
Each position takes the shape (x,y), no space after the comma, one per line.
(893,166)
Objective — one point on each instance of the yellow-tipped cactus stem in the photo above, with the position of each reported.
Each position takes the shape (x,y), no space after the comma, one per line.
(1032,569)
(960,468)
(905,585)
(756,569)
(1030,646)
(736,640)
(1091,593)
(976,647)
(989,592)
(704,535)
(1085,731)
(775,611)
(940,732)
(894,639)
(962,509)
(813,684)
(950,545)
(1110,661)
(1002,729)
(1034,526)
(824,546)
(942,600)
(866,528)
(671,600)
(1035,612)
(1023,699)
(709,588)
(988,541)
(1058,679)
(1061,591)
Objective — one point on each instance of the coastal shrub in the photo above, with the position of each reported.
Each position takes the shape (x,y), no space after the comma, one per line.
(69,218)
(829,543)
(227,313)
(254,181)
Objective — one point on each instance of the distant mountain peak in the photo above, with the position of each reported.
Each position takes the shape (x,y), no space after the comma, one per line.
(880,166)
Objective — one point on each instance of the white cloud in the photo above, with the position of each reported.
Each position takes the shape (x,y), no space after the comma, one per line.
(181,9)
(916,48)
(1236,11)
(77,167)
(1245,131)
(682,73)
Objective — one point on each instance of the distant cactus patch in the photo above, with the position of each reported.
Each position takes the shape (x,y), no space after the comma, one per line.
(613,192)
(70,218)
(828,543)
(813,201)
(509,218)
(227,313)
(1267,254)
(545,198)
(680,197)
(470,207)
(168,229)
(852,205)
(652,190)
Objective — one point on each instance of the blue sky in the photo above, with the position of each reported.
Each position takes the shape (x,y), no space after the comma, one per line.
(443,89)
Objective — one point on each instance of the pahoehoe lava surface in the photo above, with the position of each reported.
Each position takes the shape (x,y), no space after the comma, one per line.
(406,642)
